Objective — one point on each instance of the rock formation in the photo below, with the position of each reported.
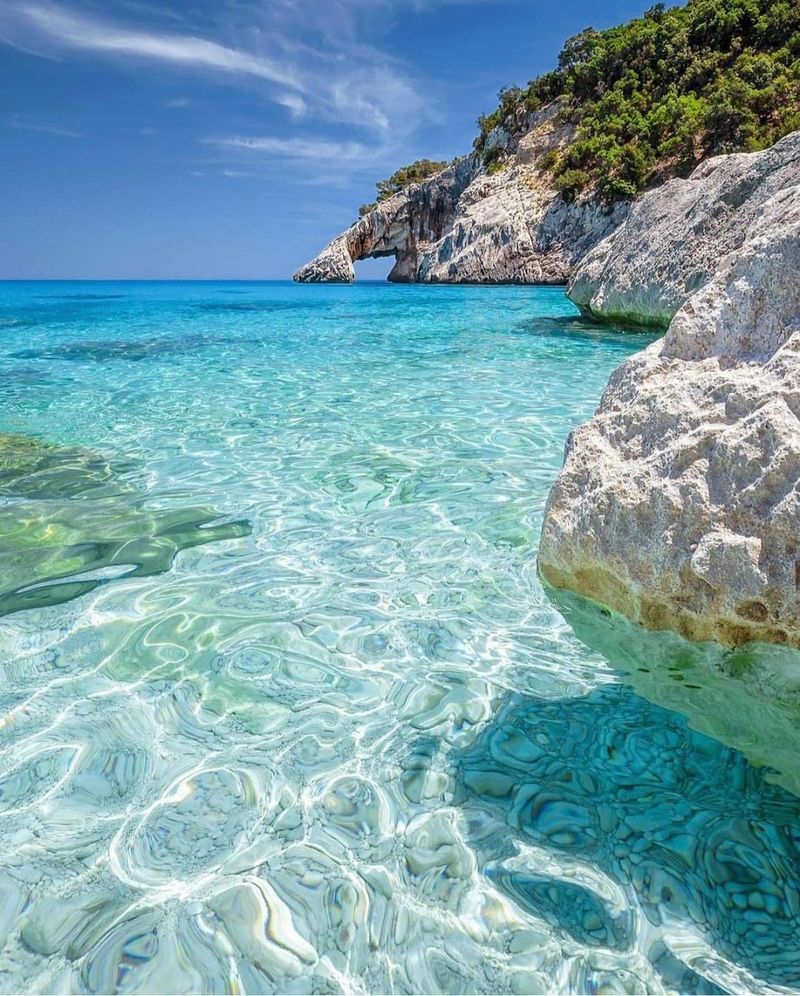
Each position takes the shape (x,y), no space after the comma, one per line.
(679,502)
(676,236)
(398,227)
(470,225)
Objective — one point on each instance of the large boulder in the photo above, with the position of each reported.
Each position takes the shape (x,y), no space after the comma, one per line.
(679,502)
(676,236)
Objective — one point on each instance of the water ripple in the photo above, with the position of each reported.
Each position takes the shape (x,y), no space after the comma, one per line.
(304,719)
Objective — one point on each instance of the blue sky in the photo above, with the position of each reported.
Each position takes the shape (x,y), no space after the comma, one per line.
(233,138)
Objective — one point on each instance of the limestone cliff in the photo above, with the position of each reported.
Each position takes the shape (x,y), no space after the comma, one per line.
(679,502)
(470,225)
(677,236)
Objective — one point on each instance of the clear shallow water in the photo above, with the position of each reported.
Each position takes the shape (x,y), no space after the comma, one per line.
(284,706)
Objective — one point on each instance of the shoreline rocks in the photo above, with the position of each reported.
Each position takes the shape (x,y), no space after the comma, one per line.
(677,236)
(679,502)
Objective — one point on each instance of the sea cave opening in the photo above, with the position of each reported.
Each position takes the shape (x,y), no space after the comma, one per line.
(374,267)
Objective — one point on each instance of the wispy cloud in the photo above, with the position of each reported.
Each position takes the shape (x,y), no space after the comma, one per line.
(360,106)
(79,31)
(46,129)
(317,150)
(339,79)
(294,103)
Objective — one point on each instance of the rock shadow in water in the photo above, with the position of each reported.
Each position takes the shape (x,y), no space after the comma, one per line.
(101,350)
(261,306)
(748,698)
(18,383)
(693,835)
(80,297)
(576,328)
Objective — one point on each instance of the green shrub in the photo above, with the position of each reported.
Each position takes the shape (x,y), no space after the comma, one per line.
(511,99)
(416,172)
(494,159)
(550,161)
(653,97)
(571,182)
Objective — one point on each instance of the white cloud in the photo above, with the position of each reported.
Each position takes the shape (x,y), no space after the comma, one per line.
(314,59)
(339,80)
(46,129)
(77,31)
(294,103)
(316,150)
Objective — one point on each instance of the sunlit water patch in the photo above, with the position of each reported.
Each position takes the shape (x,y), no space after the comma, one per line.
(284,706)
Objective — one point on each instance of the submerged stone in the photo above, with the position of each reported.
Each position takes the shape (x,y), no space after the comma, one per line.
(70,521)
(673,825)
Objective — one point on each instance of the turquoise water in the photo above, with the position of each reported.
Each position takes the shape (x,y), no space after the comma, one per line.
(283,704)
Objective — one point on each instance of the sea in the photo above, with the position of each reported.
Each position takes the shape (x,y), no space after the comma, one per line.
(284,705)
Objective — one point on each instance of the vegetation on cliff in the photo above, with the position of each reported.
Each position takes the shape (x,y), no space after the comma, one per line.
(402,178)
(653,97)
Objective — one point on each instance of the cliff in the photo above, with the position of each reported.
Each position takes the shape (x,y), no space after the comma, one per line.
(679,502)
(677,236)
(557,161)
(468,224)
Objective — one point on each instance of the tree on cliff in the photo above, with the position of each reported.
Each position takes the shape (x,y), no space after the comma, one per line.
(652,97)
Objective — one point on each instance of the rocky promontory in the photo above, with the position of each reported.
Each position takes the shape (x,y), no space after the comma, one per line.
(470,224)
(677,235)
(679,502)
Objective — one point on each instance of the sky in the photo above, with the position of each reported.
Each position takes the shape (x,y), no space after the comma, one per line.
(231,139)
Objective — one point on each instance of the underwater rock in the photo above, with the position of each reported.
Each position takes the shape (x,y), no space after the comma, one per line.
(69,522)
(747,698)
(624,830)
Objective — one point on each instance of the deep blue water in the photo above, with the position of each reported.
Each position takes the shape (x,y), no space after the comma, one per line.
(284,706)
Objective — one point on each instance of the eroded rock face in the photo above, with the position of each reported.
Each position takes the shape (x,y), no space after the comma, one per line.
(465,226)
(676,236)
(398,226)
(679,502)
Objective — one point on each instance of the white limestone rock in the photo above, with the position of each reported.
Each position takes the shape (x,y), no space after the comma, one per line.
(333,265)
(466,226)
(398,227)
(679,502)
(677,236)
